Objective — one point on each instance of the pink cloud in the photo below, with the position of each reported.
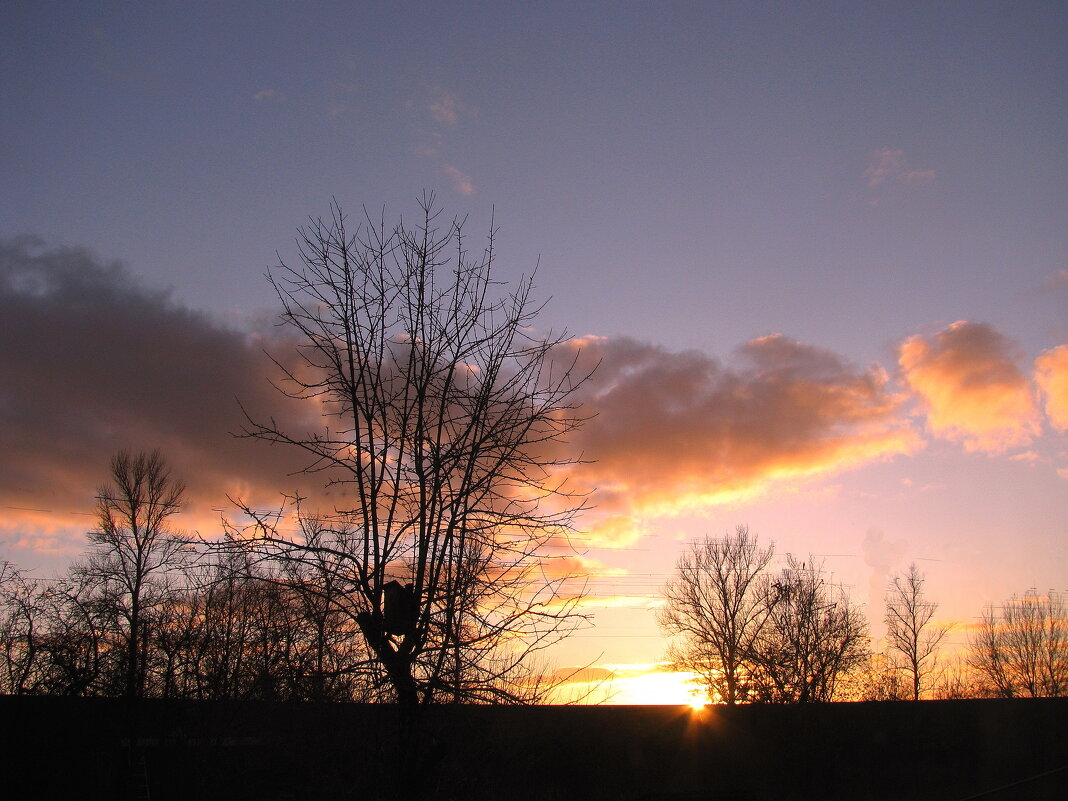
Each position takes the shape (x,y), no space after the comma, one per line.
(972,390)
(1057,281)
(889,164)
(918,177)
(885,163)
(461,181)
(1051,375)
(444,107)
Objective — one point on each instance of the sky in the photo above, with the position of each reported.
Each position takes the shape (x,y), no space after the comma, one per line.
(820,249)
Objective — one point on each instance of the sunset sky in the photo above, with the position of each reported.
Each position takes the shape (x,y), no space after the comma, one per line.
(821,251)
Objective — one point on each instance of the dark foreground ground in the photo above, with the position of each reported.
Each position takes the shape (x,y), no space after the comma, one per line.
(87,748)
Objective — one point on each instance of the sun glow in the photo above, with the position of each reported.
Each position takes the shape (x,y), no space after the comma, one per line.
(659,687)
(647,684)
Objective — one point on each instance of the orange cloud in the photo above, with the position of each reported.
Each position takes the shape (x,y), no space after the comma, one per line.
(614,530)
(675,430)
(972,390)
(625,684)
(1051,374)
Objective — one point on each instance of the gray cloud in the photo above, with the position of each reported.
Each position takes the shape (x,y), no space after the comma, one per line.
(93,361)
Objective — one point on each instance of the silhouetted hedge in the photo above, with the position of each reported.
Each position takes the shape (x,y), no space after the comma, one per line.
(105,748)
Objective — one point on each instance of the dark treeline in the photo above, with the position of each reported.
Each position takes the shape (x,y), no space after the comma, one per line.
(147,613)
(209,625)
(751,634)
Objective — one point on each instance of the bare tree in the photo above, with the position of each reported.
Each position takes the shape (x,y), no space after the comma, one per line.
(813,637)
(1021,649)
(716,603)
(878,680)
(20,631)
(132,552)
(445,417)
(910,635)
(958,679)
(71,638)
(222,648)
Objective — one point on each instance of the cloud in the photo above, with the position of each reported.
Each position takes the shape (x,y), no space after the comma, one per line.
(883,164)
(676,430)
(582,674)
(881,554)
(461,181)
(95,362)
(1051,375)
(972,390)
(445,107)
(1057,281)
(590,600)
(889,165)
(625,684)
(614,530)
(267,94)
(433,141)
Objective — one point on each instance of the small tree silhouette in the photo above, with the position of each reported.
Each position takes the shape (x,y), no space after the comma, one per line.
(910,635)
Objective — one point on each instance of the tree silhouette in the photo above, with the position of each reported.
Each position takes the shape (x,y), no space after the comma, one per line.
(910,636)
(1021,649)
(132,551)
(814,635)
(716,601)
(444,417)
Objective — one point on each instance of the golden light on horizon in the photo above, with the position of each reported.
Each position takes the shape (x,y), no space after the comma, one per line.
(658,687)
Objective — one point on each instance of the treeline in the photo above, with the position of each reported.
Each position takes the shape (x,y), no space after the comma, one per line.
(752,635)
(149,613)
(208,626)
(260,615)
